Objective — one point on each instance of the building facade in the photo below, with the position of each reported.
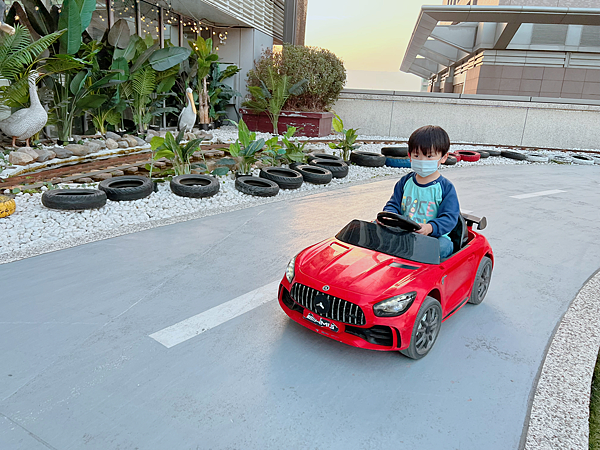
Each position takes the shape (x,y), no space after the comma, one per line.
(534,48)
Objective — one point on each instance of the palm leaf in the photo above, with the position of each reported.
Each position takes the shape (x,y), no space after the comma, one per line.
(144,81)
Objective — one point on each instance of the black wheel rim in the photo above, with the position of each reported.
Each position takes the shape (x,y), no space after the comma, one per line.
(484,281)
(427,330)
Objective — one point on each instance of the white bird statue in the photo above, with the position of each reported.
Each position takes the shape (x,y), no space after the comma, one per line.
(187,118)
(3,26)
(26,122)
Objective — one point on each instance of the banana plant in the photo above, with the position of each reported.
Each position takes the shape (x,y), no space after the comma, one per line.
(246,147)
(271,96)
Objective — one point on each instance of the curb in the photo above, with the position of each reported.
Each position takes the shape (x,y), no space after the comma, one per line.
(560,410)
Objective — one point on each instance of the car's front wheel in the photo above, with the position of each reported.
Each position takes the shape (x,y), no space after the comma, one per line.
(482,281)
(425,330)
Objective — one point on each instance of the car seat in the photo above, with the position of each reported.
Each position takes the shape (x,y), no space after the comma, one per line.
(459,234)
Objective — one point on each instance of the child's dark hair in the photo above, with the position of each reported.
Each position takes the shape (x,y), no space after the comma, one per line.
(429,139)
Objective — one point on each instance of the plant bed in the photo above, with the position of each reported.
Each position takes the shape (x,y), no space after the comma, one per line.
(311,124)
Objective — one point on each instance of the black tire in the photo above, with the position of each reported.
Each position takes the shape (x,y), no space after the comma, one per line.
(513,155)
(74,199)
(367,159)
(296,164)
(195,186)
(401,150)
(285,178)
(484,154)
(450,161)
(256,186)
(482,281)
(323,156)
(314,174)
(493,152)
(339,169)
(126,188)
(425,330)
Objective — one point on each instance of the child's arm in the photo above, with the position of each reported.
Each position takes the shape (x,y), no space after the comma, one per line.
(394,204)
(448,211)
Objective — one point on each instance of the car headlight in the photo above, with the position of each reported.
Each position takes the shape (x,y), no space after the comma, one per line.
(394,306)
(289,271)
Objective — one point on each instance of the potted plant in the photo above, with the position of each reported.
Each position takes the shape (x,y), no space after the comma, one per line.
(310,110)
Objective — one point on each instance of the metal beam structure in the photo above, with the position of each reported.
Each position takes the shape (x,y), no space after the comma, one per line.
(445,45)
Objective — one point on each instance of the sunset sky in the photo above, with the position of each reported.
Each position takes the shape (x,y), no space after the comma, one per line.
(370,36)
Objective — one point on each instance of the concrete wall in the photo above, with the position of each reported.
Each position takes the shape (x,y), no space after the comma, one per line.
(497,120)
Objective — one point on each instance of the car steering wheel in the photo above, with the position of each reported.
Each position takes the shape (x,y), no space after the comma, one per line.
(393,220)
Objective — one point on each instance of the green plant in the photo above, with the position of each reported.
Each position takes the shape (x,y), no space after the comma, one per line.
(324,71)
(18,54)
(171,148)
(204,57)
(217,171)
(220,93)
(294,151)
(272,94)
(273,153)
(346,143)
(246,147)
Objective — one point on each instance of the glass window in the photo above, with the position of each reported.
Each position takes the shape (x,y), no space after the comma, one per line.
(149,17)
(125,9)
(171,28)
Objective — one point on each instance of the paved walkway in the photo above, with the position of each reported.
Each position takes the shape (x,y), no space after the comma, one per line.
(78,369)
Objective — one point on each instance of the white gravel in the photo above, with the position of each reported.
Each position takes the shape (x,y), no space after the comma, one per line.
(34,229)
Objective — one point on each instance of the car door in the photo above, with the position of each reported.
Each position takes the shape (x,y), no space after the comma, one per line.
(457,279)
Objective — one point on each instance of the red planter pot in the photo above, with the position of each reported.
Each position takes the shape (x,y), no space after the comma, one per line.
(311,124)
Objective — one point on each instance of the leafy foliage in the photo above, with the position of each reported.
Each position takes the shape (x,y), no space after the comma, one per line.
(171,148)
(246,147)
(220,93)
(324,71)
(346,143)
(294,151)
(272,94)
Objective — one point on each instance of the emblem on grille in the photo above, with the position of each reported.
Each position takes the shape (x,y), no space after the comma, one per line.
(325,288)
(322,304)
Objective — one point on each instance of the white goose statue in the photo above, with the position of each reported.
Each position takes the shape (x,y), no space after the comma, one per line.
(26,122)
(187,118)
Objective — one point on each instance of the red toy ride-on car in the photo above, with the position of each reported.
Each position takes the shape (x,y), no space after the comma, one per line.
(381,286)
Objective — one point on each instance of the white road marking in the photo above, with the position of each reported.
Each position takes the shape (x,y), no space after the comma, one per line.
(198,324)
(537,194)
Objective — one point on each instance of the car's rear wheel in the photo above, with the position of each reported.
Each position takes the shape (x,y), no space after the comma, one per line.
(425,330)
(482,281)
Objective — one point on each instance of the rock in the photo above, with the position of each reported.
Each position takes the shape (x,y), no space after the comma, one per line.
(44,155)
(160,164)
(215,153)
(131,140)
(139,141)
(19,158)
(131,170)
(117,173)
(189,136)
(123,144)
(100,142)
(111,144)
(84,180)
(149,138)
(197,171)
(113,136)
(62,152)
(204,135)
(31,152)
(152,133)
(101,176)
(78,149)
(93,146)
(197,156)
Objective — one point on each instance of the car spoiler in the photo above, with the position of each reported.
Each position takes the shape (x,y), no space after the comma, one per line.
(471,220)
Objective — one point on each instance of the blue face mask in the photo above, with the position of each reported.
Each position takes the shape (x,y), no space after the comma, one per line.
(424,168)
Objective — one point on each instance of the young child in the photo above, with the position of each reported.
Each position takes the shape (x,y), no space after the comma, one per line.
(424,195)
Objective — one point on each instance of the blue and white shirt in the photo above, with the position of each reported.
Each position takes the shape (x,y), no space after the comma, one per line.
(435,203)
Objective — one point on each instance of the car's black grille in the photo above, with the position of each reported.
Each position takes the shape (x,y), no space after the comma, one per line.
(378,335)
(340,310)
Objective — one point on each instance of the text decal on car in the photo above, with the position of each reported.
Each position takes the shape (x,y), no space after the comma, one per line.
(322,322)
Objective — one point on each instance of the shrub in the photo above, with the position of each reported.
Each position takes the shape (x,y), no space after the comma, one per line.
(324,71)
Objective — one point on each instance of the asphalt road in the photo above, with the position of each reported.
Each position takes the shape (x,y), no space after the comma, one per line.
(78,369)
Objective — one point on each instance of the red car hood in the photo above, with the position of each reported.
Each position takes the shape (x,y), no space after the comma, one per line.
(355,269)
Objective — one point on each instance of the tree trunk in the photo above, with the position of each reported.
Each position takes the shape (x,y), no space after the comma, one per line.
(204,107)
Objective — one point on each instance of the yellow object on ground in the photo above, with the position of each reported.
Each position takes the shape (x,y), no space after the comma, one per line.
(7,206)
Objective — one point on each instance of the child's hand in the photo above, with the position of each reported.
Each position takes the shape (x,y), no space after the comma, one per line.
(426,229)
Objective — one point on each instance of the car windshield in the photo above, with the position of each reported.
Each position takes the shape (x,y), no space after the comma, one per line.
(401,244)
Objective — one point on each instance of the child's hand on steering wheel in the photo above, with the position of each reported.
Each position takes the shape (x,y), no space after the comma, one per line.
(426,229)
